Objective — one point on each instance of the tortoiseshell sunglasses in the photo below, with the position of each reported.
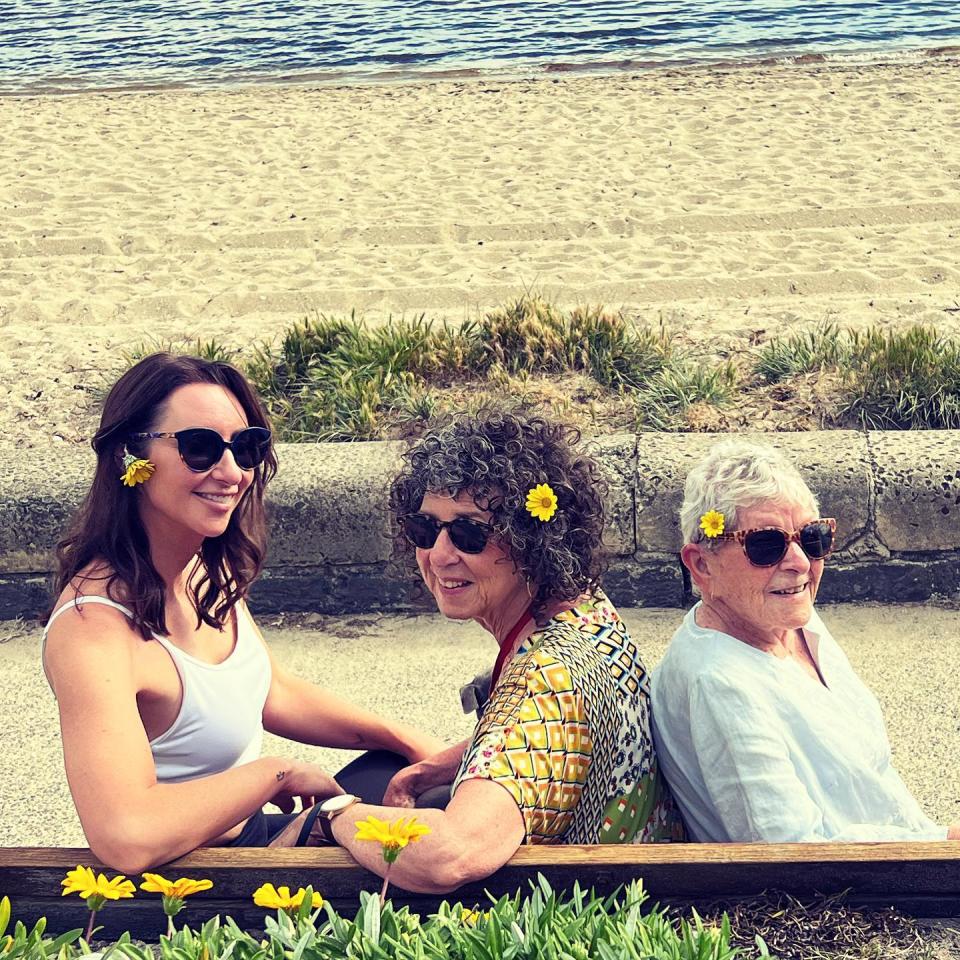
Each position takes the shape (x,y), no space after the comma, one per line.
(766,546)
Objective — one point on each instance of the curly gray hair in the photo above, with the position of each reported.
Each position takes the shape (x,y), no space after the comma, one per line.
(734,475)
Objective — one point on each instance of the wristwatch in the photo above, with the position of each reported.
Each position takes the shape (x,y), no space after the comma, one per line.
(331,808)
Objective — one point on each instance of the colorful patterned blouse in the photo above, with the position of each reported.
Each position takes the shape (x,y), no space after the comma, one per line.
(567,732)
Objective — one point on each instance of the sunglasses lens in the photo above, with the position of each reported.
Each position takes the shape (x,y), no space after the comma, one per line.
(764,548)
(420,530)
(816,540)
(250,447)
(200,449)
(467,536)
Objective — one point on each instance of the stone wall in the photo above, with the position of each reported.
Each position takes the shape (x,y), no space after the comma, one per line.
(896,497)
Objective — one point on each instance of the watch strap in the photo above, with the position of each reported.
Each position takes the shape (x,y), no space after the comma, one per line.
(326,828)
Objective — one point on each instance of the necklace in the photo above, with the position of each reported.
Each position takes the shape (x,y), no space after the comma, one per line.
(507,646)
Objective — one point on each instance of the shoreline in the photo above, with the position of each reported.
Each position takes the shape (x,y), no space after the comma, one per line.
(527,70)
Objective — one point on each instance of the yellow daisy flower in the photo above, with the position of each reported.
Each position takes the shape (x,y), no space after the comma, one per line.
(177,889)
(174,892)
(711,523)
(138,471)
(274,898)
(82,880)
(541,502)
(392,837)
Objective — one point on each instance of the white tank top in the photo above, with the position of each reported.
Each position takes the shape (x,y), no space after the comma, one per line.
(220,723)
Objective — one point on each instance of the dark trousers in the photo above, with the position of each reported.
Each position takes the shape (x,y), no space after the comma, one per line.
(367,776)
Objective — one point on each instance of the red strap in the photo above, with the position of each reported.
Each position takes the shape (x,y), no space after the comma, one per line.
(507,645)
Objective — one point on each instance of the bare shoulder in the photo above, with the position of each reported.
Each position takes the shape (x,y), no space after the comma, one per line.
(86,629)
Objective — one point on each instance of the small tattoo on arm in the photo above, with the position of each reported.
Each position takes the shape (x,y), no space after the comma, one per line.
(280,775)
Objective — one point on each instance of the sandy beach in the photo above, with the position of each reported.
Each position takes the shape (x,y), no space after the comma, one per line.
(723,201)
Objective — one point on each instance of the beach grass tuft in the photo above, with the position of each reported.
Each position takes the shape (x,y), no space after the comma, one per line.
(903,380)
(668,396)
(805,352)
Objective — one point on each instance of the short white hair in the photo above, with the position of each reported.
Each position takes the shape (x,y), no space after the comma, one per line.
(737,474)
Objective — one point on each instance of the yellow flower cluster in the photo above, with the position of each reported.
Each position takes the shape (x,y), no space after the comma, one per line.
(541,502)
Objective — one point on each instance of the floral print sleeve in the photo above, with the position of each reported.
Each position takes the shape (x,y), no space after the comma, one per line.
(534,740)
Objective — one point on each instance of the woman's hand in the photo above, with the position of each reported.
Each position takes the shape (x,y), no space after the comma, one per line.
(440,768)
(306,781)
(403,789)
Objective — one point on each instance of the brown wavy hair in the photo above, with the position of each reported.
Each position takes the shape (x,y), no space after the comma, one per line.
(497,456)
(107,533)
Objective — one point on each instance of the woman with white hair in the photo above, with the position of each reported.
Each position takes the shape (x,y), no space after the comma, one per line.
(763,730)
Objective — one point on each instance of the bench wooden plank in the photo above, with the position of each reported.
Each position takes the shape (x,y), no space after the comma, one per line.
(919,878)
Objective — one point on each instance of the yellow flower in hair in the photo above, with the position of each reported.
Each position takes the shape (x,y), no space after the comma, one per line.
(711,523)
(541,502)
(136,470)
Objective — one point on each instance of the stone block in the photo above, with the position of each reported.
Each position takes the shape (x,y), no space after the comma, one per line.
(653,582)
(22,595)
(917,489)
(328,503)
(663,461)
(616,456)
(835,465)
(892,581)
(337,589)
(37,501)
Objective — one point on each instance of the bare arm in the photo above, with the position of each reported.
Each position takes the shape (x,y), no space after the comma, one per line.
(302,711)
(410,782)
(476,835)
(131,821)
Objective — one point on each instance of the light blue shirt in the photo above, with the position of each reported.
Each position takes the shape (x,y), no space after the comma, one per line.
(756,749)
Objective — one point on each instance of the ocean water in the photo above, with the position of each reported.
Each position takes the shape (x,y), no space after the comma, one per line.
(62,44)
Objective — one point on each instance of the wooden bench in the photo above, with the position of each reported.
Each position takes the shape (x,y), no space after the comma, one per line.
(922,879)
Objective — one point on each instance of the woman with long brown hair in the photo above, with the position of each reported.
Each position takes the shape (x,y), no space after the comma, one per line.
(163,681)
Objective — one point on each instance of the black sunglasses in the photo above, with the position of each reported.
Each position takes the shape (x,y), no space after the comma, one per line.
(201,448)
(765,546)
(468,536)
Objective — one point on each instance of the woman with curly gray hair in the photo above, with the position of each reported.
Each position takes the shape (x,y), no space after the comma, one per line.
(503,516)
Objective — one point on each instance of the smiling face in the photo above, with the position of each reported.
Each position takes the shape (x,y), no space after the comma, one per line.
(757,604)
(486,586)
(178,505)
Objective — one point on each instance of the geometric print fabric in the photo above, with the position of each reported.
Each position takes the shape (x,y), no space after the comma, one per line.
(567,733)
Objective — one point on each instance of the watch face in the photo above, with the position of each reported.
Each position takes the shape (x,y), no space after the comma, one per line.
(334,805)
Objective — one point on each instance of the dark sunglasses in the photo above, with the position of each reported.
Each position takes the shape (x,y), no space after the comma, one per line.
(468,536)
(201,448)
(765,546)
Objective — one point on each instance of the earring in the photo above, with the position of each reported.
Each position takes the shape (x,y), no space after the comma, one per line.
(135,469)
